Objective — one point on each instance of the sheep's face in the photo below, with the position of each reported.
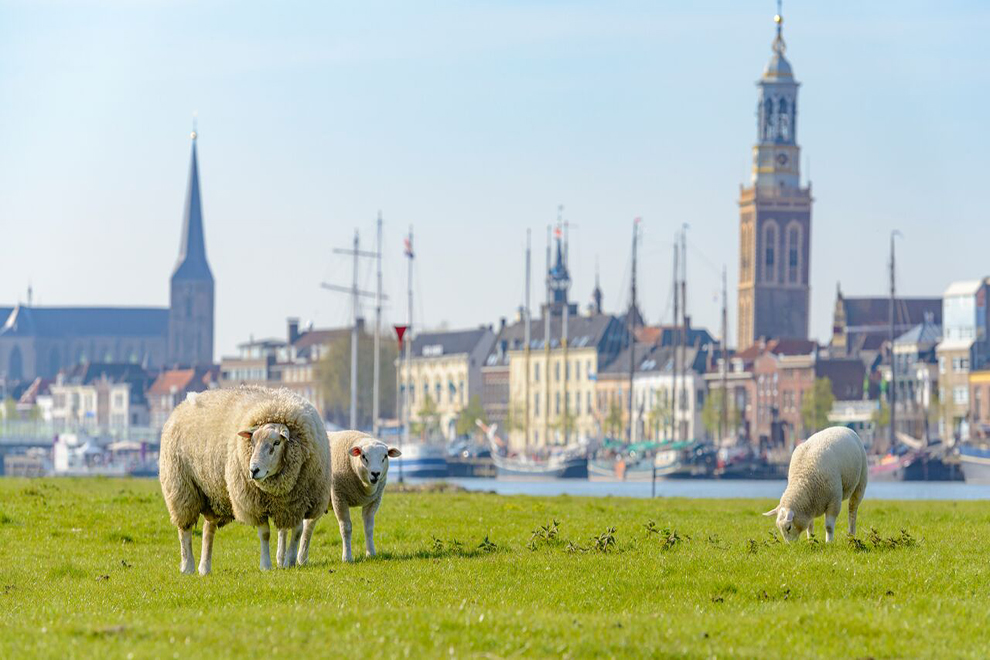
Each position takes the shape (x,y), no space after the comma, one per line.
(370,461)
(790,525)
(267,444)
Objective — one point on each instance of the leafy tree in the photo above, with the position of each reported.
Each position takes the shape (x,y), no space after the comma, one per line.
(565,422)
(9,409)
(428,424)
(614,419)
(659,417)
(466,418)
(515,418)
(711,414)
(333,376)
(817,405)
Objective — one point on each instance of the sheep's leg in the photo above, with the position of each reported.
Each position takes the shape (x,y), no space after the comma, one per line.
(264,535)
(280,552)
(206,558)
(343,514)
(831,513)
(811,529)
(188,566)
(854,501)
(290,557)
(307,534)
(368,514)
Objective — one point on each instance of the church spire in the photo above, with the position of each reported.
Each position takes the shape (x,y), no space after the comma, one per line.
(192,264)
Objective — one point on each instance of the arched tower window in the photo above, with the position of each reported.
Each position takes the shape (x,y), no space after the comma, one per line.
(794,253)
(783,121)
(770,252)
(54,362)
(15,364)
(768,119)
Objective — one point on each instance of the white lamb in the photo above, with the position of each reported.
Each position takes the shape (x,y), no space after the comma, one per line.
(825,470)
(246,454)
(360,467)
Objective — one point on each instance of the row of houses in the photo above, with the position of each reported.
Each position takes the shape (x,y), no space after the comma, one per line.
(604,376)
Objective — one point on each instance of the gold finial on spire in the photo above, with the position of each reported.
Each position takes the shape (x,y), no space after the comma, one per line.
(778,43)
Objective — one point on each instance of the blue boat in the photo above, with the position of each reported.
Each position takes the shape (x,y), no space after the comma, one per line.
(420,461)
(975,462)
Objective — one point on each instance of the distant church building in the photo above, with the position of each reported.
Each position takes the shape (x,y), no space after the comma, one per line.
(775,216)
(41,341)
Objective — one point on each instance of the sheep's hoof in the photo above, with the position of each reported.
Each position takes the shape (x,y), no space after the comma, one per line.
(204,571)
(187,570)
(266,567)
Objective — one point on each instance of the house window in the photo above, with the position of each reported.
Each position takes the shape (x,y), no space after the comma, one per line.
(536,373)
(556,407)
(960,395)
(769,252)
(556,371)
(536,405)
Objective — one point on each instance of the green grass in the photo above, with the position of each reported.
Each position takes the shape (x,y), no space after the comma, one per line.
(90,569)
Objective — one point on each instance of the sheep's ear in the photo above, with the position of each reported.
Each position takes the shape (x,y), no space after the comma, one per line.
(284,433)
(248,433)
(355,451)
(393,452)
(772,512)
(789,516)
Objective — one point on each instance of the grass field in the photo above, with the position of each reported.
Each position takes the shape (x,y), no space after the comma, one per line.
(90,569)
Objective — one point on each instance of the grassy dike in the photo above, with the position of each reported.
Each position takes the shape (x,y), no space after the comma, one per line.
(89,568)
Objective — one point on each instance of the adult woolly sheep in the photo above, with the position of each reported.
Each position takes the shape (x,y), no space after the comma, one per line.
(360,469)
(249,454)
(825,470)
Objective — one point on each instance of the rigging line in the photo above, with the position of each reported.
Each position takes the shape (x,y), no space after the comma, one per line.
(704,258)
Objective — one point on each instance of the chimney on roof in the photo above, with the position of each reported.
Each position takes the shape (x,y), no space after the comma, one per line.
(687,322)
(293,329)
(501,323)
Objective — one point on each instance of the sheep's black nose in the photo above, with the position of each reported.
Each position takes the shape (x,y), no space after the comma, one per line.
(375,475)
(255,471)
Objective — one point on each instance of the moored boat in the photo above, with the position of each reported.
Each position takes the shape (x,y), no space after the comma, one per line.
(975,463)
(420,461)
(555,467)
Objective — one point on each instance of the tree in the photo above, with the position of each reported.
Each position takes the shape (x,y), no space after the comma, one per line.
(466,417)
(515,418)
(659,417)
(333,376)
(711,414)
(565,422)
(817,405)
(614,419)
(429,419)
(9,409)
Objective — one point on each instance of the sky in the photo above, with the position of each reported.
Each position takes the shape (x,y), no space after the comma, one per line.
(472,122)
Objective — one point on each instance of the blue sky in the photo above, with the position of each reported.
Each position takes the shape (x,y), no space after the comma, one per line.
(473,121)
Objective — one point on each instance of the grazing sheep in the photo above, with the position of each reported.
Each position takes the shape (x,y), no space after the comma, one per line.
(246,454)
(827,468)
(360,467)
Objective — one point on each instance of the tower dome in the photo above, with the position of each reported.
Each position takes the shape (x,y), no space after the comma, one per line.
(778,68)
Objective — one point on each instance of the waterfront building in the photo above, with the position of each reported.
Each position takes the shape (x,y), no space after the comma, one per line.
(172,386)
(100,398)
(861,325)
(443,374)
(775,215)
(963,348)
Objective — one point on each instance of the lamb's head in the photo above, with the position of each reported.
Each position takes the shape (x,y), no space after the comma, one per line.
(790,523)
(266,445)
(369,460)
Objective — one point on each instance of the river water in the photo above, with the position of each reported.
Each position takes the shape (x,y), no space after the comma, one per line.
(721,488)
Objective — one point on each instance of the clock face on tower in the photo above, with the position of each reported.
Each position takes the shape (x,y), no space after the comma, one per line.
(782,159)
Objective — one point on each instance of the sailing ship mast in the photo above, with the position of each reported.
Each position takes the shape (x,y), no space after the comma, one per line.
(676,340)
(376,387)
(892,389)
(564,331)
(527,318)
(631,326)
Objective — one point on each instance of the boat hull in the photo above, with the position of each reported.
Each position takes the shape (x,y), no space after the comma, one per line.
(975,463)
(420,462)
(572,468)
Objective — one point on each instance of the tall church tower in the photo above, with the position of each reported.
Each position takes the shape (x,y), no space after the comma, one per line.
(775,215)
(190,319)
